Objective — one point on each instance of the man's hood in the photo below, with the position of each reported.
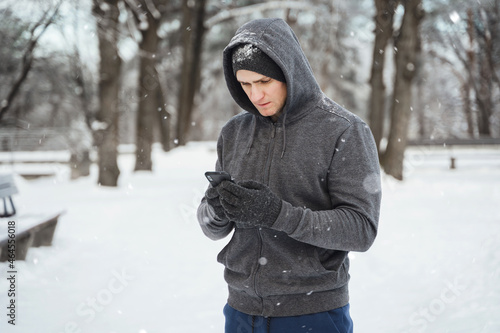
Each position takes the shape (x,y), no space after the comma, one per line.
(275,38)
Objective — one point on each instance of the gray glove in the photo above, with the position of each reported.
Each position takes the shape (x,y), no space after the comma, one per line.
(250,203)
(212,196)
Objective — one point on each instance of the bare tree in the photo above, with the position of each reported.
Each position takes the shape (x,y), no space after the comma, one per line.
(486,30)
(384,20)
(193,30)
(474,45)
(466,84)
(408,46)
(106,124)
(27,61)
(151,109)
(79,133)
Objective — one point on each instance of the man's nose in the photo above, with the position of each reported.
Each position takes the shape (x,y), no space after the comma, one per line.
(257,94)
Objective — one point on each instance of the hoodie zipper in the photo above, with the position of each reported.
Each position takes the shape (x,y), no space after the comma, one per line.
(259,263)
(272,142)
(267,171)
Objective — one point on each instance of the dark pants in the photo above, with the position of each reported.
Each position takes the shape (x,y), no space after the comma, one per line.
(334,321)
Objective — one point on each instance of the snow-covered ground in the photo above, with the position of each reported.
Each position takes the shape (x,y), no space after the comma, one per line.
(133,258)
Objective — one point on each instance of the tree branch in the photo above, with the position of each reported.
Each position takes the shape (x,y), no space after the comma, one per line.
(448,62)
(240,11)
(153,10)
(27,60)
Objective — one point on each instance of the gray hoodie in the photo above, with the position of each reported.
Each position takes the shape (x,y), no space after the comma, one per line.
(321,160)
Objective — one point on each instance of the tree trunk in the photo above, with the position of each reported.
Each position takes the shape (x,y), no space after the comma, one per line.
(484,98)
(466,89)
(384,19)
(106,13)
(163,120)
(148,86)
(193,31)
(408,48)
(468,84)
(420,109)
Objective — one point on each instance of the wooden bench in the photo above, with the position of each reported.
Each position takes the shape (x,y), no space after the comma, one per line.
(23,231)
(7,189)
(29,231)
(449,144)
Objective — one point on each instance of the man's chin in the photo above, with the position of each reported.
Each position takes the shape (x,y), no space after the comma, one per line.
(266,112)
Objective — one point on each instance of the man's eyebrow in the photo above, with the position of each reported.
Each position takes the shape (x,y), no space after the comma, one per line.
(264,78)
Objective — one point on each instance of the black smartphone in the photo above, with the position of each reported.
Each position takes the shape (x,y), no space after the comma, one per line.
(216,177)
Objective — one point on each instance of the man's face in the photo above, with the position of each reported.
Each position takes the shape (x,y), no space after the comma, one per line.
(266,94)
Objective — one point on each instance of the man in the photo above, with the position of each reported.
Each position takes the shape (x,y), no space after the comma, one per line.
(306,190)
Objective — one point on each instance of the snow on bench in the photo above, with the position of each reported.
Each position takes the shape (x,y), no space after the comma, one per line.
(22,231)
(28,231)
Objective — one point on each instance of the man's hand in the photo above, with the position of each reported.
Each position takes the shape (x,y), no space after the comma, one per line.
(213,199)
(250,203)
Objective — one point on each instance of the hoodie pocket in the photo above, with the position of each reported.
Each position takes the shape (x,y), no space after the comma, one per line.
(239,257)
(331,261)
(294,268)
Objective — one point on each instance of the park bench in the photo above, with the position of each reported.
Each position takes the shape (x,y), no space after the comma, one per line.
(449,145)
(29,230)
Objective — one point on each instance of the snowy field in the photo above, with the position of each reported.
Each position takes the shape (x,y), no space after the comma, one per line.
(133,259)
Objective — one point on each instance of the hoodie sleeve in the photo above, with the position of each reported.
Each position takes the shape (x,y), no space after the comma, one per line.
(354,188)
(211,226)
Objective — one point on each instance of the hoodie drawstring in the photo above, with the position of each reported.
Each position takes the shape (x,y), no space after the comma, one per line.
(268,324)
(284,135)
(254,129)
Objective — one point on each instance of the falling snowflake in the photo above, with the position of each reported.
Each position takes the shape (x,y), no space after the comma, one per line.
(454,17)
